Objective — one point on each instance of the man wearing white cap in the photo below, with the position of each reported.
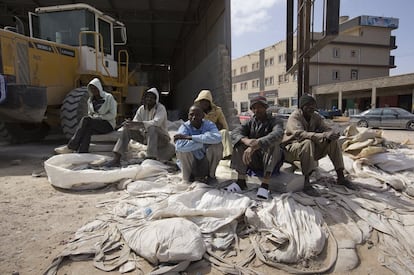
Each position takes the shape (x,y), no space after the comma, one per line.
(149,127)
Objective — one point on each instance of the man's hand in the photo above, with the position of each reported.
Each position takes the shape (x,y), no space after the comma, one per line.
(181,136)
(331,135)
(254,143)
(247,155)
(133,124)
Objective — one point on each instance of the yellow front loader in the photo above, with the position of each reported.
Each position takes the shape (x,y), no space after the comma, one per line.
(43,75)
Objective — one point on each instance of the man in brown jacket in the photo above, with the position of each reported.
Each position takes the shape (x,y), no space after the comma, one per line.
(308,139)
(215,114)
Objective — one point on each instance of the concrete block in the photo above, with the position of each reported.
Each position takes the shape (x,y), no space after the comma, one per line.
(286,182)
(111,137)
(104,147)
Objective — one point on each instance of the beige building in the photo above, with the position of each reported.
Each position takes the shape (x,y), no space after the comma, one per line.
(362,50)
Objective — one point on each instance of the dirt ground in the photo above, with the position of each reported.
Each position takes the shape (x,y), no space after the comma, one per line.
(37,220)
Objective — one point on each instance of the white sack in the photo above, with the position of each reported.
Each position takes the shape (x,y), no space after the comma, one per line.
(298,230)
(66,171)
(392,162)
(167,240)
(209,208)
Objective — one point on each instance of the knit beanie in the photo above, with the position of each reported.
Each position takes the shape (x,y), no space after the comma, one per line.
(306,99)
(258,99)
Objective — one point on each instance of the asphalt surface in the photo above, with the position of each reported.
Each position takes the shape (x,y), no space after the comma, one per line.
(16,154)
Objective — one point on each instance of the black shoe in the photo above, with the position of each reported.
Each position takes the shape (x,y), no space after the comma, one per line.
(211,180)
(149,157)
(348,184)
(112,163)
(310,191)
(201,179)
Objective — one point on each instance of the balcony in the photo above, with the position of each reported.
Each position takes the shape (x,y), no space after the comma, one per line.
(391,62)
(393,46)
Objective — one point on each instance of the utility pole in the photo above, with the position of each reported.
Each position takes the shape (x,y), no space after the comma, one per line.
(305,48)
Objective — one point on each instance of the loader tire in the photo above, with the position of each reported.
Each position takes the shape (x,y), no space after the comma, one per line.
(4,134)
(74,107)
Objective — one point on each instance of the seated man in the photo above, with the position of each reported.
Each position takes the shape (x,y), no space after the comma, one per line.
(102,109)
(215,114)
(308,139)
(198,147)
(257,147)
(149,127)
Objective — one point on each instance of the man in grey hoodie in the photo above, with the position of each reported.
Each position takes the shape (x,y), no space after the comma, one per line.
(102,109)
(149,127)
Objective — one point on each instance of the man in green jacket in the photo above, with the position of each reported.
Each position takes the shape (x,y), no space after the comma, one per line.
(308,139)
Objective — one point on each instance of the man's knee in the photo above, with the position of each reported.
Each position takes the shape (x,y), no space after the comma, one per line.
(85,121)
(215,147)
(151,130)
(307,146)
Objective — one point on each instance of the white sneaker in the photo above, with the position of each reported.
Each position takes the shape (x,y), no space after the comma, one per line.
(63,150)
(233,188)
(263,193)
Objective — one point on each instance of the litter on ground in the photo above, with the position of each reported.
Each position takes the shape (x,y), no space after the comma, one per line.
(177,227)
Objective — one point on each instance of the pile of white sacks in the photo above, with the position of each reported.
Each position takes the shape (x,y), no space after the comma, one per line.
(177,227)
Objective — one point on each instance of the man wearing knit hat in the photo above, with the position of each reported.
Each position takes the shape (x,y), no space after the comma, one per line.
(257,147)
(308,139)
(149,127)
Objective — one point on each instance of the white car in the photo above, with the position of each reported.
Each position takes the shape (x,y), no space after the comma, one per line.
(387,117)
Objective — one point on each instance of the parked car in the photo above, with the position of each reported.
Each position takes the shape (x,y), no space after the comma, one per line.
(388,117)
(329,114)
(244,116)
(284,112)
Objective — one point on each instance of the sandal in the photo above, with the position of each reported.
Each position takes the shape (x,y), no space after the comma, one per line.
(233,188)
(262,193)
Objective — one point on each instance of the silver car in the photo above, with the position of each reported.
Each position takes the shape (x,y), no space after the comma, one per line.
(387,117)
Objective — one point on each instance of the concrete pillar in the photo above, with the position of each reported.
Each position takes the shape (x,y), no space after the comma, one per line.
(412,101)
(340,100)
(373,97)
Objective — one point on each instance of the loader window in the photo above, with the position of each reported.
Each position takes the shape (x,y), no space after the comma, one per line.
(105,31)
(64,26)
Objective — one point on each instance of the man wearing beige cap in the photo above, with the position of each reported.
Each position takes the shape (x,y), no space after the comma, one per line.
(257,148)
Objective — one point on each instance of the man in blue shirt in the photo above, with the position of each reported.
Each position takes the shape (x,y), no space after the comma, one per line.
(198,147)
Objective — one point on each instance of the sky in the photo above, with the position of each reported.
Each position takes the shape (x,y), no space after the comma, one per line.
(257,24)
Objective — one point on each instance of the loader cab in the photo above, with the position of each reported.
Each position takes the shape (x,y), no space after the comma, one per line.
(80,25)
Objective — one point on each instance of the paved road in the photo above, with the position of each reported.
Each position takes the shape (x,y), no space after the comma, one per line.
(43,150)
(399,135)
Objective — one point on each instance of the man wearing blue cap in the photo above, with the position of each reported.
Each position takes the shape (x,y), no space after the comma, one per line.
(257,147)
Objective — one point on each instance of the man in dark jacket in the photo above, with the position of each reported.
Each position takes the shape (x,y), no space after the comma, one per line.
(257,147)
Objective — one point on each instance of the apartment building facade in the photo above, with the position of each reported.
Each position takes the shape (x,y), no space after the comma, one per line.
(362,50)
